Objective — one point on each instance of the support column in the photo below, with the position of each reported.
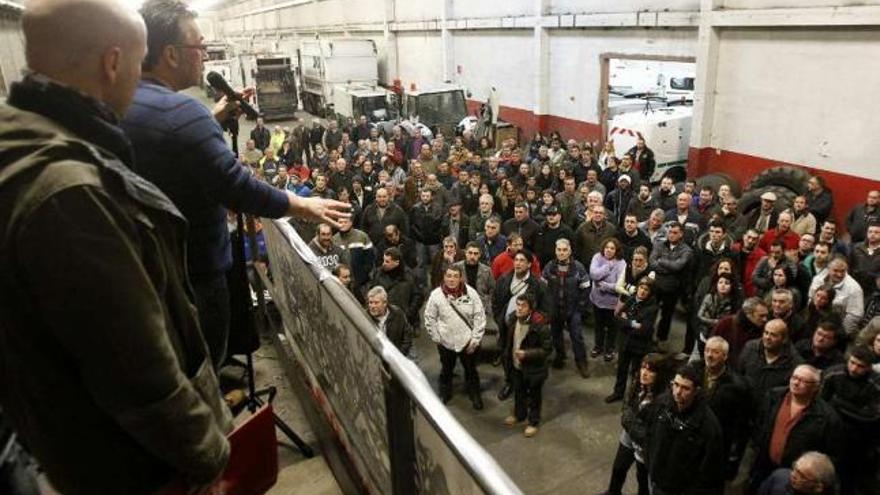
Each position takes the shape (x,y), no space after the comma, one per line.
(708,40)
(391,70)
(446,42)
(541,56)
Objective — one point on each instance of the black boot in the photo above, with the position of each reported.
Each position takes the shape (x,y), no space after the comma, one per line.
(476,401)
(445,394)
(583,368)
(505,391)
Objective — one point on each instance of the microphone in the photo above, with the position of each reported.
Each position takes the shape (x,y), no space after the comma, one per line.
(217,82)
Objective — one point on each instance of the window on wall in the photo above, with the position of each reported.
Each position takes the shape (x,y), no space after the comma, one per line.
(685,83)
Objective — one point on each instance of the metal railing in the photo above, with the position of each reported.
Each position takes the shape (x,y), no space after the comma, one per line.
(397,434)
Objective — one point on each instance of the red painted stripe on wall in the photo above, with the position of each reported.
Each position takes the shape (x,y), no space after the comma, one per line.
(529,123)
(848,190)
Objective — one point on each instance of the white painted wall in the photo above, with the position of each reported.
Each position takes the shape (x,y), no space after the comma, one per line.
(496,58)
(484,8)
(604,6)
(417,10)
(419,56)
(574,63)
(800,96)
(775,4)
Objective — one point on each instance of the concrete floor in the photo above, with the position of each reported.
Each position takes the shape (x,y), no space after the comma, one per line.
(578,436)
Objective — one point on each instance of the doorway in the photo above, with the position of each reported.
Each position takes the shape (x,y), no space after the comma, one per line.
(648,96)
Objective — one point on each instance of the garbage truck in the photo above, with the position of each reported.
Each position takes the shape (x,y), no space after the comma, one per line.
(340,77)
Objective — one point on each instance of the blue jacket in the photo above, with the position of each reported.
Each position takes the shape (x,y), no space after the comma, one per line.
(568,292)
(179,147)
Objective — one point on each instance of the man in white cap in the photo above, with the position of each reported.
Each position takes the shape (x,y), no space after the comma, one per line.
(618,200)
(764,218)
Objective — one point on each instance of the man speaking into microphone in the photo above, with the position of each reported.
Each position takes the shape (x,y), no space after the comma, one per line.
(179,146)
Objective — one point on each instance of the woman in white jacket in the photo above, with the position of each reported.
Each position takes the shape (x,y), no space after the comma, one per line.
(455,321)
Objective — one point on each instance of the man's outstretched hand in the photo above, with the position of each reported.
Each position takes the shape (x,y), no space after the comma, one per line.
(318,210)
(225,108)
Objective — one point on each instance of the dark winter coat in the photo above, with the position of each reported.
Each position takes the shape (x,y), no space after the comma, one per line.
(401,289)
(567,292)
(736,330)
(729,400)
(670,265)
(588,239)
(638,340)
(375,227)
(398,330)
(545,242)
(818,429)
(645,162)
(536,344)
(686,450)
(858,219)
(424,223)
(762,376)
(104,372)
(536,287)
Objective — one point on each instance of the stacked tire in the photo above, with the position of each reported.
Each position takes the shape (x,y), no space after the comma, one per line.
(785,182)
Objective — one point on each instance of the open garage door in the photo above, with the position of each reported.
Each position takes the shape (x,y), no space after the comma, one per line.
(649,97)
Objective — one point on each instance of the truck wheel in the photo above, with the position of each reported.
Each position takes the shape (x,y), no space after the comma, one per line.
(678,174)
(793,178)
(752,199)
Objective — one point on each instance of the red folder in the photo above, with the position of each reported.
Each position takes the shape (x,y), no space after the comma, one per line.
(253,461)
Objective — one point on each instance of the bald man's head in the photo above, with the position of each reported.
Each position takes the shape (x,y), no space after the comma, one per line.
(95,46)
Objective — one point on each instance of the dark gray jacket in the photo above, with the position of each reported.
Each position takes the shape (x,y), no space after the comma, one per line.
(98,314)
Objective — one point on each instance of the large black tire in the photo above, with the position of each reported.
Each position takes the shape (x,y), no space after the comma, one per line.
(678,173)
(752,199)
(793,178)
(715,180)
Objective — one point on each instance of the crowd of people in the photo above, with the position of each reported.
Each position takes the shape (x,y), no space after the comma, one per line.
(530,244)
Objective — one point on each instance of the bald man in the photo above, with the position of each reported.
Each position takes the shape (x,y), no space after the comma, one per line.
(180,147)
(103,369)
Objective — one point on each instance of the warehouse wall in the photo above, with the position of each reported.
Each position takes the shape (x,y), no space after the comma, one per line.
(12,61)
(798,97)
(419,57)
(776,4)
(565,6)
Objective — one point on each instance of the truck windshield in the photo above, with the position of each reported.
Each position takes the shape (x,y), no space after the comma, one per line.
(441,108)
(372,107)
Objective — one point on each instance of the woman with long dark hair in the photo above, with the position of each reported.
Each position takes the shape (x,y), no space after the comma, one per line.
(639,409)
(722,300)
(545,179)
(820,308)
